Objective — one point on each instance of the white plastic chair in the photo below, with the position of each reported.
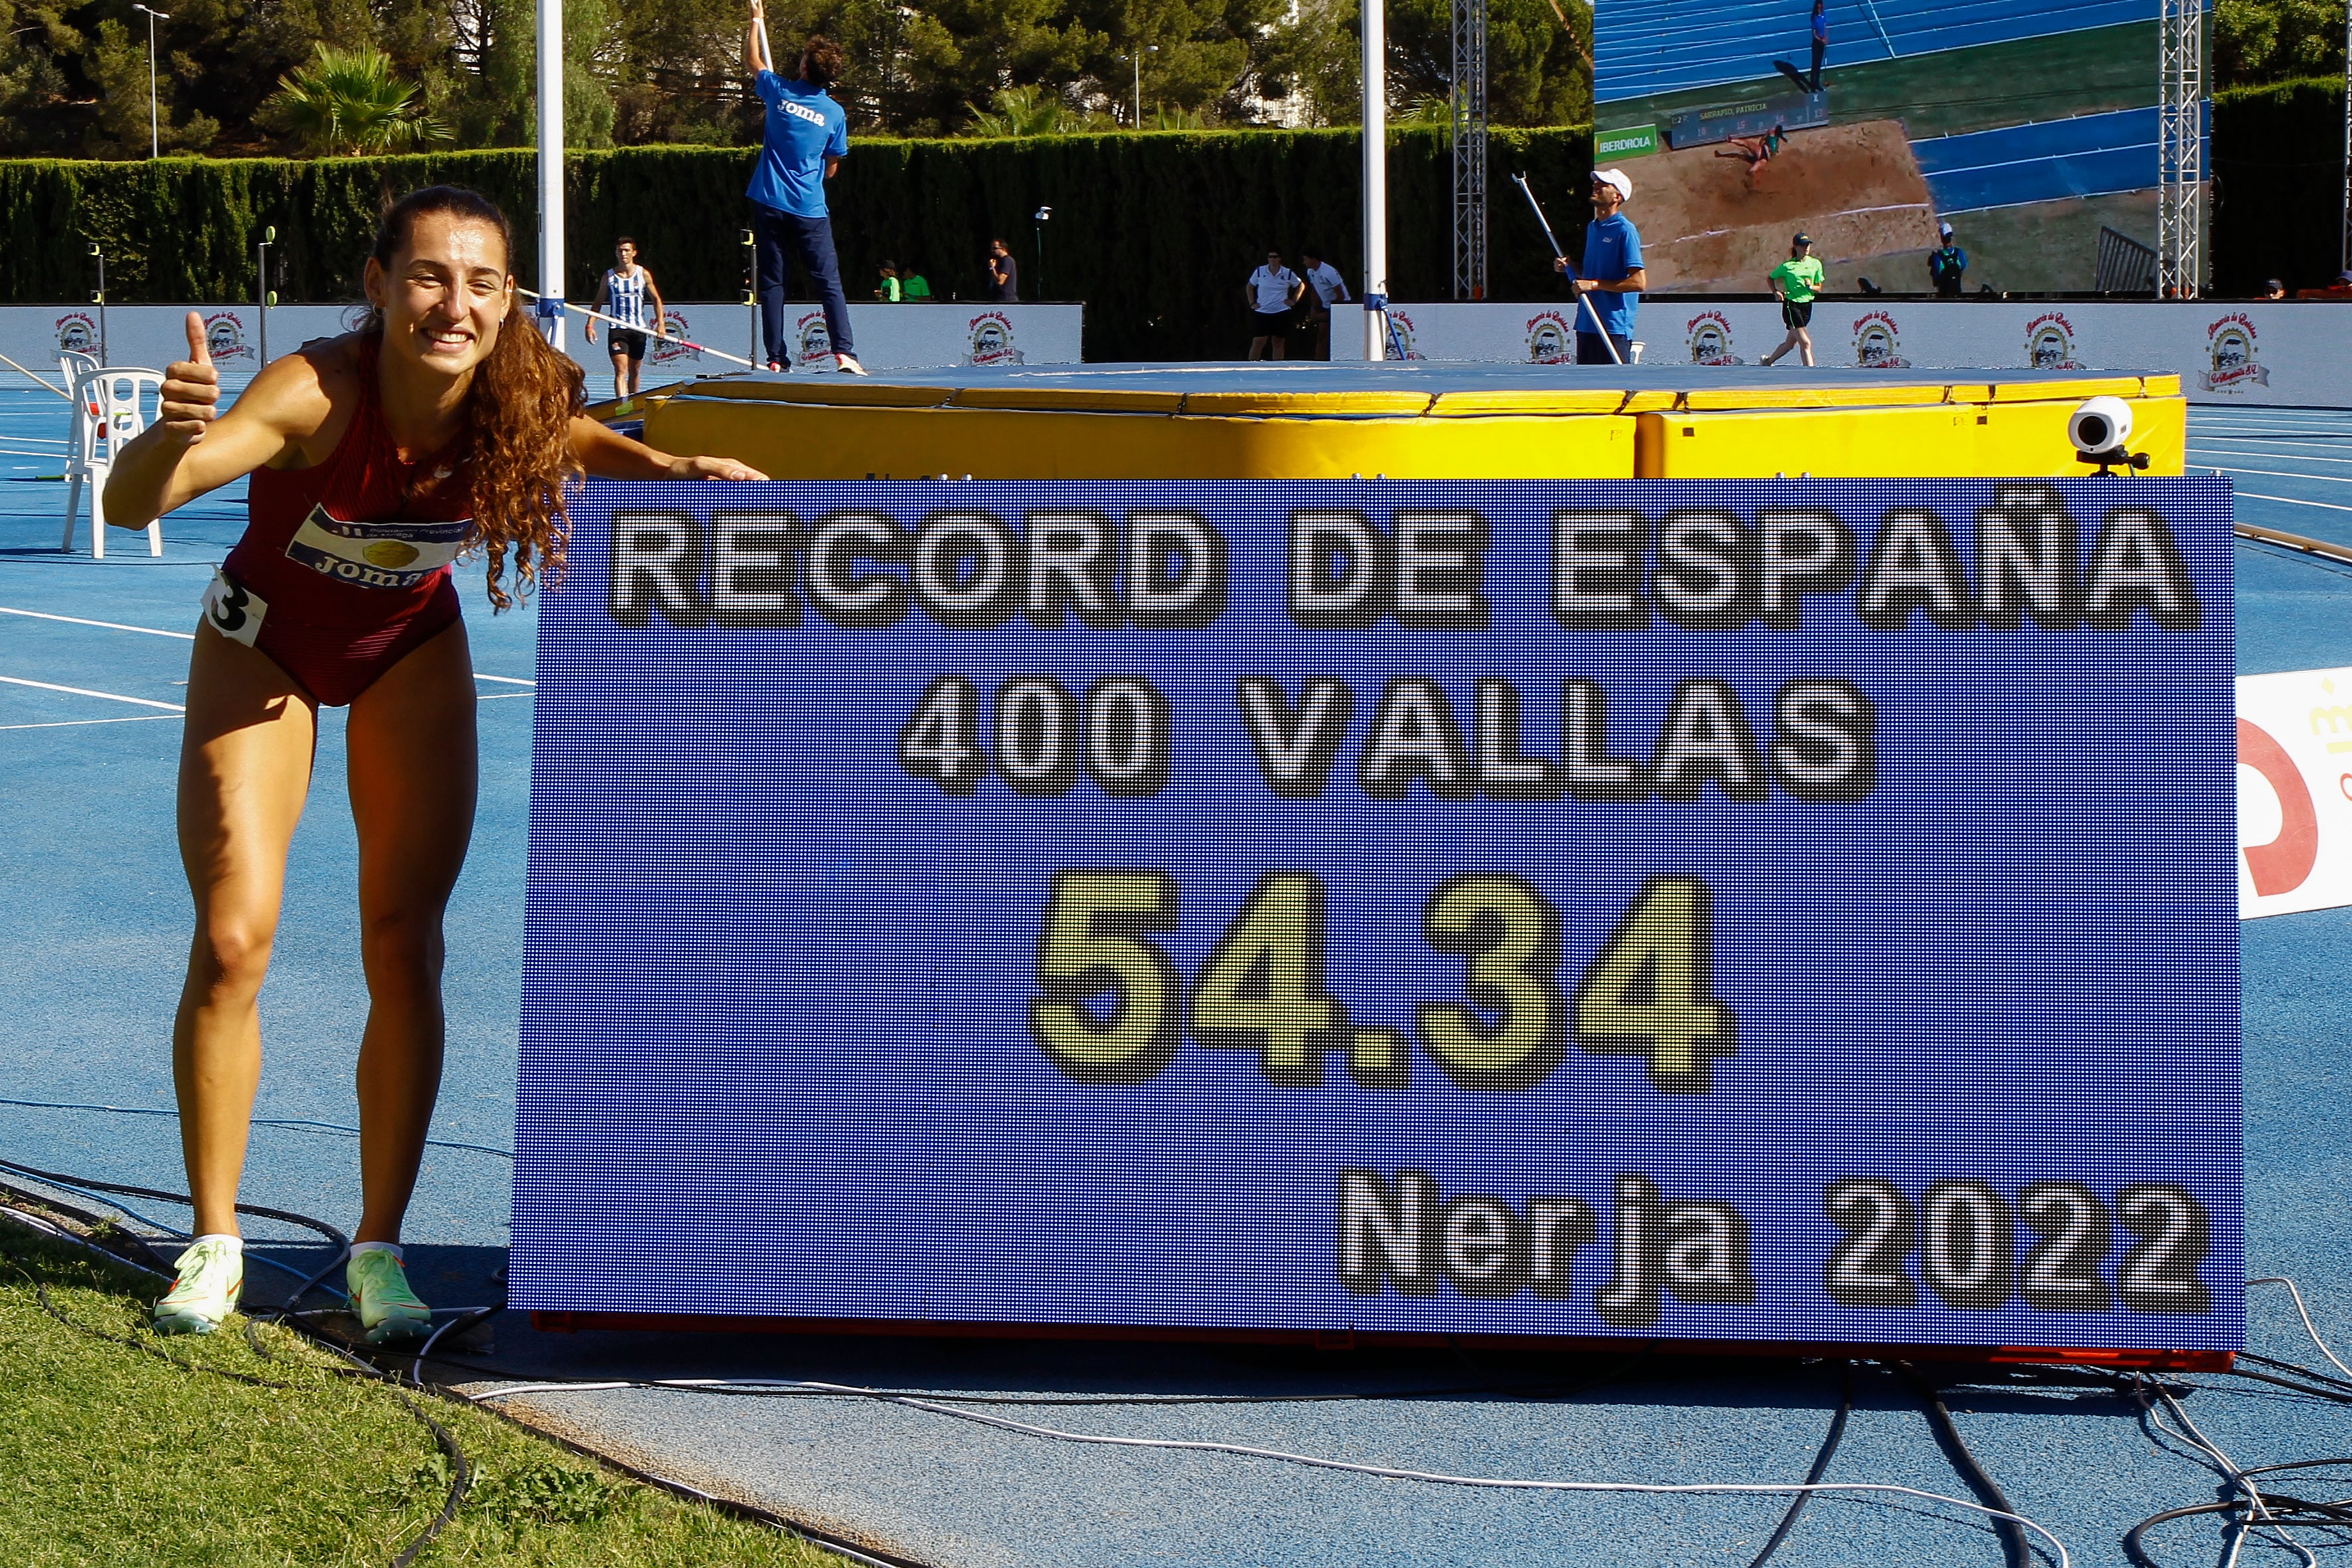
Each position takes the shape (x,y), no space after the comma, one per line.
(110,407)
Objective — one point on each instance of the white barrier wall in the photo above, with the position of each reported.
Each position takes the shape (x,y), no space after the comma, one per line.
(890,336)
(2224,350)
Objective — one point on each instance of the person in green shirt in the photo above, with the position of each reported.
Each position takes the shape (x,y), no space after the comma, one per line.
(888,289)
(911,285)
(1795,283)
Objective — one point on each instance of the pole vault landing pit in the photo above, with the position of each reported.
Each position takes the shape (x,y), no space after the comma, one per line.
(1409,421)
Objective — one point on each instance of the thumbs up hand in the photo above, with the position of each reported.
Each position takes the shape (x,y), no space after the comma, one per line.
(191,389)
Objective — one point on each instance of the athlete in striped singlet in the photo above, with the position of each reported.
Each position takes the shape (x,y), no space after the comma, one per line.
(446,425)
(621,295)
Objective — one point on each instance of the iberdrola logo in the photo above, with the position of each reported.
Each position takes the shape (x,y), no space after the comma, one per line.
(1710,336)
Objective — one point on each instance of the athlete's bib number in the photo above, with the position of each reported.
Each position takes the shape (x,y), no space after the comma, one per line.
(234,610)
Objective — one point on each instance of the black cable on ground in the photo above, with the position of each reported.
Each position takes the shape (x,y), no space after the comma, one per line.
(2329,1515)
(2015,1545)
(305,1221)
(2298,1371)
(1821,1467)
(461,1471)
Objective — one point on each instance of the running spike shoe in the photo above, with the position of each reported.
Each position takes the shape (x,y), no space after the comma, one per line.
(389,1311)
(847,365)
(209,1275)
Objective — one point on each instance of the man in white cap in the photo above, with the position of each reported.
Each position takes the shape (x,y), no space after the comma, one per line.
(1946,266)
(1612,278)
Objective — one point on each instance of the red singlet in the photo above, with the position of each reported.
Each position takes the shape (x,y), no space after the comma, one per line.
(341,572)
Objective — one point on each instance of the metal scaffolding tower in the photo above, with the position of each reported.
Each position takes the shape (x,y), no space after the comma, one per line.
(1469,149)
(2180,200)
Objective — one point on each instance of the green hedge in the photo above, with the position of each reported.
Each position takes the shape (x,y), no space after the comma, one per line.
(2278,185)
(1155,232)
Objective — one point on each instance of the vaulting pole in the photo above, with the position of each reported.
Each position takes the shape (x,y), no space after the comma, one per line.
(1376,182)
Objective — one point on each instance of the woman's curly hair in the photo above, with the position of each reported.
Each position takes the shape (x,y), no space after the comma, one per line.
(518,414)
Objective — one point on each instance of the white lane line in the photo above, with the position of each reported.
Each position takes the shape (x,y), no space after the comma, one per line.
(2269,438)
(503,695)
(109,625)
(2293,500)
(85,691)
(2239,449)
(76,723)
(505,680)
(2286,474)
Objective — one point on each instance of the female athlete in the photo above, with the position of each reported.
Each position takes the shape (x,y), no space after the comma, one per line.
(442,425)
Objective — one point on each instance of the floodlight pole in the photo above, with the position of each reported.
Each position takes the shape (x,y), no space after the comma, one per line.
(2345,261)
(1137,56)
(154,117)
(550,170)
(268,238)
(1376,182)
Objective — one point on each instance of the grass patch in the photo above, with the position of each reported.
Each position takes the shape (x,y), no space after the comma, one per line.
(1952,90)
(114,1456)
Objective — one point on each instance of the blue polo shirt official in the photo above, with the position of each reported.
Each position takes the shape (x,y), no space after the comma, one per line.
(804,128)
(1612,248)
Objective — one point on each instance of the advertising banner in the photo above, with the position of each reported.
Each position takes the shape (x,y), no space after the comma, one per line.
(2223,351)
(1705,911)
(2294,792)
(888,337)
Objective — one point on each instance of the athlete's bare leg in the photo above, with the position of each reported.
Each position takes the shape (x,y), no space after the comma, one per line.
(621,387)
(244,768)
(414,768)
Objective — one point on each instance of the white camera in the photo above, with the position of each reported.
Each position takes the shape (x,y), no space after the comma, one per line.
(2100,427)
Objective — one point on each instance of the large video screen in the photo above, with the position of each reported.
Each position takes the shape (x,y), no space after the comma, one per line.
(1743,910)
(2029,126)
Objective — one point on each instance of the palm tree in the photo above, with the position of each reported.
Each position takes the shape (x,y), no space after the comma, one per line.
(1024,112)
(348,102)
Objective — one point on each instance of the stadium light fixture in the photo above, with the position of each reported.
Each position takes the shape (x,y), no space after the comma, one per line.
(1137,56)
(154,119)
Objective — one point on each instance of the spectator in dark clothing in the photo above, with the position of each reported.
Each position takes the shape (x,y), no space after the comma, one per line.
(1821,40)
(1004,275)
(1947,266)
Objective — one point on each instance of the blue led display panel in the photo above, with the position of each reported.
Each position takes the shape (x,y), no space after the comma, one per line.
(1742,911)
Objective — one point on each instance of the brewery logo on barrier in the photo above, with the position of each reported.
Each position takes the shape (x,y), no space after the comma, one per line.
(2049,343)
(225,336)
(77,334)
(1402,331)
(992,341)
(2229,350)
(667,347)
(816,341)
(1710,339)
(1875,345)
(1548,339)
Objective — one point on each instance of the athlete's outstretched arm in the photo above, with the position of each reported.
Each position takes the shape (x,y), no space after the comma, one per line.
(611,456)
(193,447)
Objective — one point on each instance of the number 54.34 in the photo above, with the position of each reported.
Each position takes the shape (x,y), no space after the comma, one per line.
(1111,1006)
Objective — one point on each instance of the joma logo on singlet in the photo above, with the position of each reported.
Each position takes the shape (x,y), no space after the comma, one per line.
(391,554)
(800,112)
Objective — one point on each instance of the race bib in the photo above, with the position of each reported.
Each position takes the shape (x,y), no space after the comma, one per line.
(376,554)
(233,610)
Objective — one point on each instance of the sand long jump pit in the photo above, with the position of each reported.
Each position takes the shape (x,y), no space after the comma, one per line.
(1710,222)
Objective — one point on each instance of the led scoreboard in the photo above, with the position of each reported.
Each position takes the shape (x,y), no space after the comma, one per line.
(1712,911)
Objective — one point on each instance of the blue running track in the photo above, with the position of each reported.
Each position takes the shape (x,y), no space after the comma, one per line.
(1647,46)
(93,933)
(2088,155)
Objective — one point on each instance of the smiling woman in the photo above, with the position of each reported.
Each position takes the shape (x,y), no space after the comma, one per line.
(442,425)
